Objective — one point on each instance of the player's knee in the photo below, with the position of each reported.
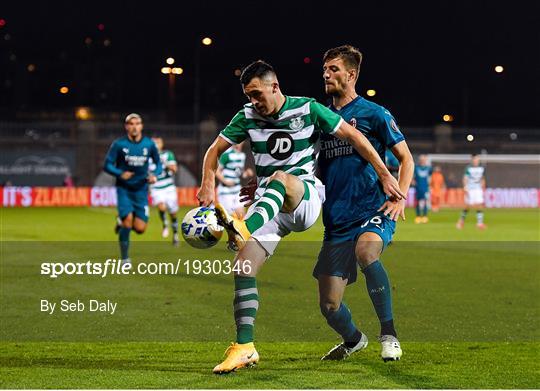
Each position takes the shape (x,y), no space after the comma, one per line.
(127,222)
(367,252)
(139,228)
(328,306)
(279,176)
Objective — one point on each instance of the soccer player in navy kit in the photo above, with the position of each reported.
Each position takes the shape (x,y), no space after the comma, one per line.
(359,218)
(422,175)
(127,161)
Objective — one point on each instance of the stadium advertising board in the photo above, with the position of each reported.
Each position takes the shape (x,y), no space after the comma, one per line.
(36,168)
(27,196)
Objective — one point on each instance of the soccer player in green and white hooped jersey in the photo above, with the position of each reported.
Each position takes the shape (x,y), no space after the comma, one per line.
(283,132)
(163,192)
(230,172)
(474,186)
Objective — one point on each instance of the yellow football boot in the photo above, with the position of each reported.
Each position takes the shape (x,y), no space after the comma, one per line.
(238,356)
(235,227)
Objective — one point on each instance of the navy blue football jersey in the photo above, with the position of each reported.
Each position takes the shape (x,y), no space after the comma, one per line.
(127,155)
(353,191)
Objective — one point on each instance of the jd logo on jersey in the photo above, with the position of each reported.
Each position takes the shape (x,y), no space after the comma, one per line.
(280,145)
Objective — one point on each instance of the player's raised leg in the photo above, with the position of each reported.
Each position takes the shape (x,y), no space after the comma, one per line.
(117,225)
(338,316)
(139,225)
(368,249)
(140,211)
(283,193)
(242,353)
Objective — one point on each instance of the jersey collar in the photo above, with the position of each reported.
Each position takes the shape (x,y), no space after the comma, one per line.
(347,105)
(282,109)
(134,142)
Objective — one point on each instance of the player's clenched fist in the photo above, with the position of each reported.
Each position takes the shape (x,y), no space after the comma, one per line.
(205,195)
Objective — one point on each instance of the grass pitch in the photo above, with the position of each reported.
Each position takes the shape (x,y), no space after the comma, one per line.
(466,309)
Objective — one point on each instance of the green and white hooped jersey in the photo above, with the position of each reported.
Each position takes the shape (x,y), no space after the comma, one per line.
(285,141)
(166,178)
(233,164)
(474,177)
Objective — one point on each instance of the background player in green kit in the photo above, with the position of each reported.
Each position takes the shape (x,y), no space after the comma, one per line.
(282,131)
(359,218)
(230,173)
(474,186)
(163,192)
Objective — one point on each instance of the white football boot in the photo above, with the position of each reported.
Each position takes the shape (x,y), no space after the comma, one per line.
(341,351)
(391,350)
(165,232)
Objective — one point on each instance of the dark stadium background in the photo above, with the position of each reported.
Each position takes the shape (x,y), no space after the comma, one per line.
(424,59)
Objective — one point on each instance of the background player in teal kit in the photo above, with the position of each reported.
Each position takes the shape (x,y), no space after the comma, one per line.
(422,175)
(359,219)
(128,160)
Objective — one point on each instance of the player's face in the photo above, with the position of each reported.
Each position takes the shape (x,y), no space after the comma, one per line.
(476,161)
(134,127)
(336,77)
(423,160)
(263,95)
(159,142)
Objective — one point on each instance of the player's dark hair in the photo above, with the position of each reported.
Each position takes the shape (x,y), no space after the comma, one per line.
(351,56)
(258,69)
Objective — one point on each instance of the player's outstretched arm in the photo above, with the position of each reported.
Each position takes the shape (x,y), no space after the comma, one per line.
(348,133)
(206,193)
